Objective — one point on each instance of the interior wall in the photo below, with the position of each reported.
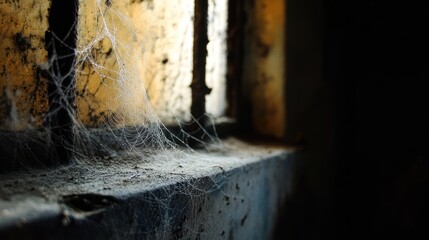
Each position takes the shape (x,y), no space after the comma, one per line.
(128,53)
(310,122)
(263,73)
(380,74)
(356,103)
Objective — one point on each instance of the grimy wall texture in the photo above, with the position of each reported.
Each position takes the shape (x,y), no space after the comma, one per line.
(125,49)
(23,98)
(132,52)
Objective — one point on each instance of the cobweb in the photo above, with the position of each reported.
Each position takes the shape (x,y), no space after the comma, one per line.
(120,98)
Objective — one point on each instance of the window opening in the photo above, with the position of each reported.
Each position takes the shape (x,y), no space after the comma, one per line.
(105,61)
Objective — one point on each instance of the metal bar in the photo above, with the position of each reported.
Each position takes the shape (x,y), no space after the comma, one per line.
(235,53)
(198,86)
(61,45)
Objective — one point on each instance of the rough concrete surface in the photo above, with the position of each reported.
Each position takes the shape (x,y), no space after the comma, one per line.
(230,191)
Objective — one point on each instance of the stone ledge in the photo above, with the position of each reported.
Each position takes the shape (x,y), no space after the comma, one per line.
(229,192)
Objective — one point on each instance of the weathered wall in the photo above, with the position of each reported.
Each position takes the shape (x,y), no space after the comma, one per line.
(264,72)
(23,89)
(129,53)
(216,67)
(137,48)
(145,48)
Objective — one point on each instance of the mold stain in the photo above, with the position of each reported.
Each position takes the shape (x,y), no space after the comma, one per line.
(21,42)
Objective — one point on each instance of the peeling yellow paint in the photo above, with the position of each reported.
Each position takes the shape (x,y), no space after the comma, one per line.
(23,97)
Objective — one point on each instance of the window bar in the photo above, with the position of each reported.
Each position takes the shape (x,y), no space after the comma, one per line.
(61,44)
(198,86)
(236,21)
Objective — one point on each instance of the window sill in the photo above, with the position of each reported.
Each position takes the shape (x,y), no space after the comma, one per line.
(233,192)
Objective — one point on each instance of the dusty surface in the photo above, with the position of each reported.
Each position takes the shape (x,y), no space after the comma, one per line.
(233,190)
(121,175)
